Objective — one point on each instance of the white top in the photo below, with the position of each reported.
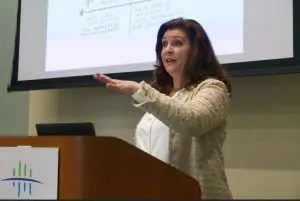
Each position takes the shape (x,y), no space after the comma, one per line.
(152,136)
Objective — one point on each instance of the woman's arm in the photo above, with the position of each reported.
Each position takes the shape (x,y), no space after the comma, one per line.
(205,111)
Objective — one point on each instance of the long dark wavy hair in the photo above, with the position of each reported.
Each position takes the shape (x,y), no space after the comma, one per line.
(202,62)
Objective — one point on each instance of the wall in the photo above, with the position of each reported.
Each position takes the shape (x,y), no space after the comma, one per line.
(42,108)
(262,149)
(13,106)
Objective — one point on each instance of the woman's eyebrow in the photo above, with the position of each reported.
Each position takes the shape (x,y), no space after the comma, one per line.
(176,37)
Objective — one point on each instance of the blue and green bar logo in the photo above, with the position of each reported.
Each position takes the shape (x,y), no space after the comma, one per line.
(22,178)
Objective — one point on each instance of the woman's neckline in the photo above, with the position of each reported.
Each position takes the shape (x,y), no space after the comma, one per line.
(174,92)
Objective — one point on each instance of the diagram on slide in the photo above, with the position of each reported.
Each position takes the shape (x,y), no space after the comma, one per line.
(125,16)
(86,34)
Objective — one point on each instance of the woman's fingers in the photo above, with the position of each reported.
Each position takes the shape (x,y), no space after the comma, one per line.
(103,78)
(113,87)
(113,84)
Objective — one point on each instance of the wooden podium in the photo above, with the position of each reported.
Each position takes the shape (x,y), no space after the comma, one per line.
(109,168)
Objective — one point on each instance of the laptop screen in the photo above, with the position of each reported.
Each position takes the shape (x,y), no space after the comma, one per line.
(66,129)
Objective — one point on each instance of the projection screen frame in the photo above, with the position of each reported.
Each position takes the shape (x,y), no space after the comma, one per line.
(241,69)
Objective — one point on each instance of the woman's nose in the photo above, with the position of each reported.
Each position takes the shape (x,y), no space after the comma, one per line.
(169,49)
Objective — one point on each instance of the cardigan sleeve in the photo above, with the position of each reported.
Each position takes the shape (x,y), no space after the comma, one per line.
(203,112)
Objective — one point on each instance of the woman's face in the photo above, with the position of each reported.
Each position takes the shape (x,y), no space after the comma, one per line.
(175,52)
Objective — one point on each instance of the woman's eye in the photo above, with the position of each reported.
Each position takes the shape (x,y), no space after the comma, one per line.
(164,43)
(178,43)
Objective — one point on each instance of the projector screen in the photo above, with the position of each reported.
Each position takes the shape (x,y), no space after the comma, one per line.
(71,38)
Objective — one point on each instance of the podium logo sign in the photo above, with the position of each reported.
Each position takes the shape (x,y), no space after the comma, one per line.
(22,179)
(28,173)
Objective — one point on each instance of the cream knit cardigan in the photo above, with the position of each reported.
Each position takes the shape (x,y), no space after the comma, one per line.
(197,122)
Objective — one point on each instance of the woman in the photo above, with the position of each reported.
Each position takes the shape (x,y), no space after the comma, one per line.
(186,105)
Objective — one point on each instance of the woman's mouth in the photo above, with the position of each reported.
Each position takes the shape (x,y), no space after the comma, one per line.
(170,61)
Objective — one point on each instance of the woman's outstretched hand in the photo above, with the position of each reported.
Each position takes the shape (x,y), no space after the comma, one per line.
(122,86)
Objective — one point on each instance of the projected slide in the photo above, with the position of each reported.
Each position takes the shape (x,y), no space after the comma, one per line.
(100,33)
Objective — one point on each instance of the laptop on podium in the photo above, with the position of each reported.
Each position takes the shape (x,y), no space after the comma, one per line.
(66,129)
